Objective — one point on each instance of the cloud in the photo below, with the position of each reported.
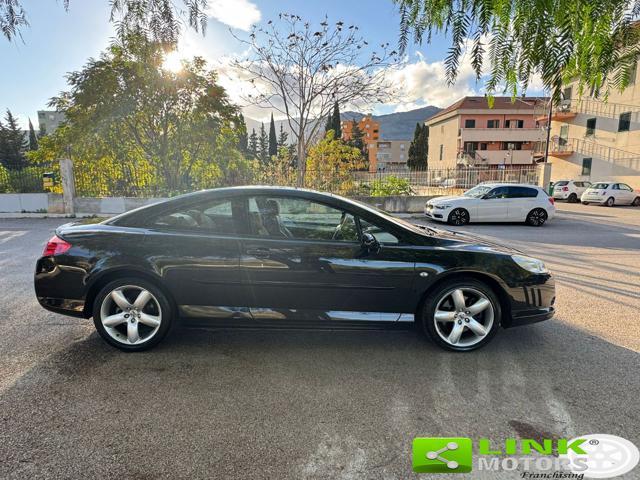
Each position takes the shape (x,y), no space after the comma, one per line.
(235,13)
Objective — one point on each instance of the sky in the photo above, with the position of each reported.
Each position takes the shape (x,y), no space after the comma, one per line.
(59,41)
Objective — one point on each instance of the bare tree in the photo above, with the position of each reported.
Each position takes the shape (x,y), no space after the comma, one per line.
(301,71)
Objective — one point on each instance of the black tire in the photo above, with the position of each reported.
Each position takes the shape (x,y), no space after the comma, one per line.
(585,203)
(431,303)
(166,314)
(636,202)
(610,202)
(537,217)
(458,216)
(573,198)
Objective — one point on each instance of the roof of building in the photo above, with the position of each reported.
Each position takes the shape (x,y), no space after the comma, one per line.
(499,103)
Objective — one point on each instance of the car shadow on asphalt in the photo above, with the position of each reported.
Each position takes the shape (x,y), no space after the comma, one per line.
(205,400)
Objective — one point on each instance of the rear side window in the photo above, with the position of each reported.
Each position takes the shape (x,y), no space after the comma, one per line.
(214,216)
(522,192)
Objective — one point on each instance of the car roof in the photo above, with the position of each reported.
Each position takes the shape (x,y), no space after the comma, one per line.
(506,184)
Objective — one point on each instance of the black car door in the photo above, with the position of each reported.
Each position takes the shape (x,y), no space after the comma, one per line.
(304,260)
(195,249)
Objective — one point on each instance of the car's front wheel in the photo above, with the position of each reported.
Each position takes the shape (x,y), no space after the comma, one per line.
(537,217)
(132,314)
(461,315)
(458,216)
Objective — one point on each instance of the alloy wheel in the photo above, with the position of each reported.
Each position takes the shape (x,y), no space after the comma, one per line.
(537,217)
(636,202)
(610,202)
(463,317)
(131,315)
(459,217)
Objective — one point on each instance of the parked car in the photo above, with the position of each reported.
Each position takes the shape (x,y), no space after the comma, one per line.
(569,190)
(494,202)
(265,256)
(610,194)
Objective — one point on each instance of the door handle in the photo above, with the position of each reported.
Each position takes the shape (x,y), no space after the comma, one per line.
(259,252)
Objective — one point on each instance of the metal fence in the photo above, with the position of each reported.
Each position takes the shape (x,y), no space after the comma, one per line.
(120,181)
(34,179)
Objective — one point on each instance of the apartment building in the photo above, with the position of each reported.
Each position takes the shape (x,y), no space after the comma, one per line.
(370,135)
(596,140)
(392,155)
(469,133)
(49,120)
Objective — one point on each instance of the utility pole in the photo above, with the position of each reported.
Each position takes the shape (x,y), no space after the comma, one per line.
(546,147)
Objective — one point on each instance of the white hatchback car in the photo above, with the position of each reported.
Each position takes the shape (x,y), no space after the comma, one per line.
(610,194)
(569,190)
(494,202)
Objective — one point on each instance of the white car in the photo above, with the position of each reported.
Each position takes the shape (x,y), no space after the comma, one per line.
(569,190)
(610,194)
(494,202)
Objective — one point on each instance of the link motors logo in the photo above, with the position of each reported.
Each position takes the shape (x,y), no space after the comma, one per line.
(587,456)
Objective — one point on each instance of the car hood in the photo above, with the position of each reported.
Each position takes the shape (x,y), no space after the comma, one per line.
(466,241)
(449,199)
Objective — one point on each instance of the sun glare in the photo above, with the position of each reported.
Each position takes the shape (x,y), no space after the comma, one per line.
(172,62)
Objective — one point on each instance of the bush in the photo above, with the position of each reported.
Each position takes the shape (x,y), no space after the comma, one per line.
(390,186)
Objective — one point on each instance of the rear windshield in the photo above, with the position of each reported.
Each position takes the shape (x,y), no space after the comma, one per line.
(600,186)
(561,183)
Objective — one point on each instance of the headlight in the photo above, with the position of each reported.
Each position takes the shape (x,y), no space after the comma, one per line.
(442,207)
(532,265)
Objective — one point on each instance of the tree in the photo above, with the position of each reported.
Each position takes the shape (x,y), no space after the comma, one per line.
(263,146)
(273,140)
(335,120)
(419,147)
(13,143)
(596,42)
(282,138)
(161,19)
(301,70)
(357,137)
(128,116)
(33,138)
(253,144)
(330,164)
(243,139)
(329,124)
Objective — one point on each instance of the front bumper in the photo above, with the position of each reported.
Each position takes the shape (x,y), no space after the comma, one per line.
(438,214)
(532,302)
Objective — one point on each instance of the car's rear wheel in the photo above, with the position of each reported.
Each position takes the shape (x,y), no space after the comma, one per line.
(458,216)
(537,217)
(610,202)
(573,198)
(585,203)
(636,202)
(132,314)
(461,315)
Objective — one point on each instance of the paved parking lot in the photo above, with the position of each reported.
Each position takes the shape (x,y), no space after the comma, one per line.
(282,404)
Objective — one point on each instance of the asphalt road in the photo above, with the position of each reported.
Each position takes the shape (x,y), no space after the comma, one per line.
(314,404)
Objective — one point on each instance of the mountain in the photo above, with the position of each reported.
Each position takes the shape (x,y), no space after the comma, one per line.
(397,126)
(393,126)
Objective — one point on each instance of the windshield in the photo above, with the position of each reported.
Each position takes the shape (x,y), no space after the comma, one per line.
(600,186)
(477,192)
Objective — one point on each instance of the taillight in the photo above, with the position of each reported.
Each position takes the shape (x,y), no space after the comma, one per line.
(55,246)
(551,200)
(565,189)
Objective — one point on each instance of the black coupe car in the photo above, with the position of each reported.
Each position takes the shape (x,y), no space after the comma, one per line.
(285,257)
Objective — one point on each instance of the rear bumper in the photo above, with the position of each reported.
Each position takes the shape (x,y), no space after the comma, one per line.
(59,288)
(597,199)
(64,306)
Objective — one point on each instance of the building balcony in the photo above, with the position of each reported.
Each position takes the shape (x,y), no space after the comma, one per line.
(496,157)
(486,135)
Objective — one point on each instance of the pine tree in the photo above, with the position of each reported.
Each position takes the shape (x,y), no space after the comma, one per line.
(282,138)
(273,140)
(33,138)
(263,145)
(13,143)
(329,125)
(356,137)
(243,139)
(419,147)
(253,144)
(335,121)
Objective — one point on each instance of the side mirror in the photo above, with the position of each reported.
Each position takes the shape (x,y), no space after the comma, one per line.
(370,243)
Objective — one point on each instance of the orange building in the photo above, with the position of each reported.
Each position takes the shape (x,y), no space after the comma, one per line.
(370,135)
